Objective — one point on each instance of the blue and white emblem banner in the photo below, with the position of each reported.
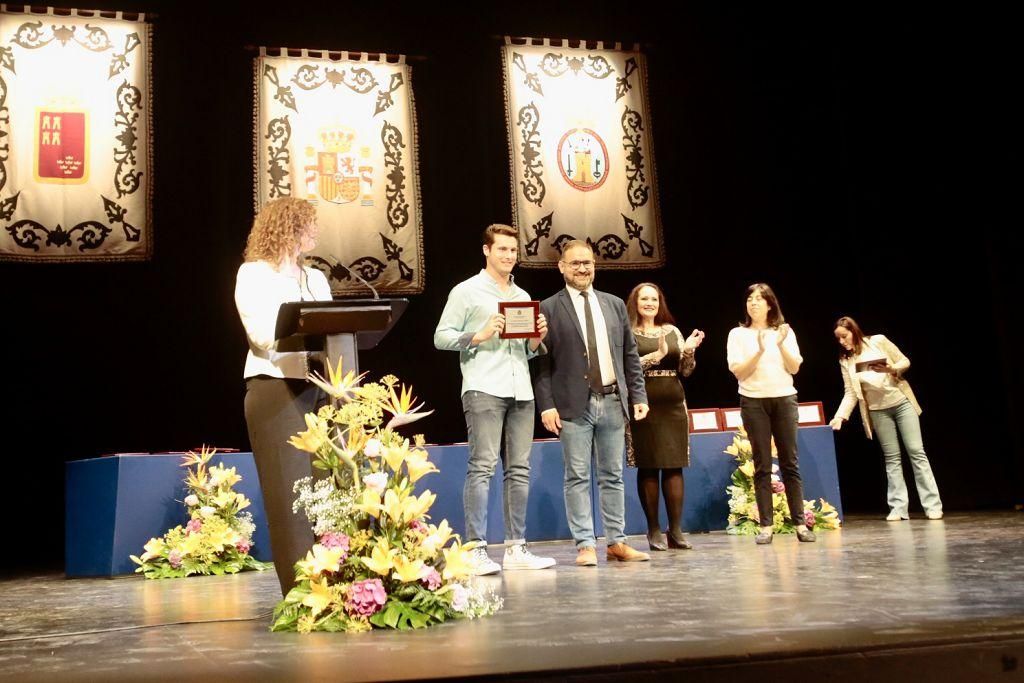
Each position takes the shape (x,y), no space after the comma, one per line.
(581,154)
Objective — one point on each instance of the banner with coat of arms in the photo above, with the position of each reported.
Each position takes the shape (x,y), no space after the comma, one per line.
(581,153)
(75,128)
(341,133)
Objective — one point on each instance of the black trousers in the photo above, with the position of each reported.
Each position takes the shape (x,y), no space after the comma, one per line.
(765,418)
(274,410)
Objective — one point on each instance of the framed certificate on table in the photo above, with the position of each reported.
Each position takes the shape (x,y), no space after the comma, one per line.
(520,318)
(705,420)
(731,418)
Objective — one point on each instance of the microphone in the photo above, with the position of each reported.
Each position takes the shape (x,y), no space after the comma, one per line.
(351,271)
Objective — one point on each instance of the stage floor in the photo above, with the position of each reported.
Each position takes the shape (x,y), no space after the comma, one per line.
(877,600)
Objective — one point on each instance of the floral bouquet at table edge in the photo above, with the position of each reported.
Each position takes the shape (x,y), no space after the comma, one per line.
(218,536)
(378,562)
(743,515)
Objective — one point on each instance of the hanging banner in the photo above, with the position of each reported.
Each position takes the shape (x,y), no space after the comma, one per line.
(75,137)
(341,133)
(581,154)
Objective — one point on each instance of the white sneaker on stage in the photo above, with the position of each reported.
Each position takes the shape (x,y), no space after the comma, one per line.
(519,557)
(895,517)
(934,514)
(482,563)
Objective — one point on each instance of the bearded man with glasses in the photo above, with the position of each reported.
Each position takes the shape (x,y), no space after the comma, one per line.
(584,385)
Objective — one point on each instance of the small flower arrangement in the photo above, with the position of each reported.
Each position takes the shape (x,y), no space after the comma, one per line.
(378,561)
(744,518)
(218,536)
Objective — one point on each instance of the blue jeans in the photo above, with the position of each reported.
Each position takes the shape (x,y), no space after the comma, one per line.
(490,421)
(599,434)
(890,425)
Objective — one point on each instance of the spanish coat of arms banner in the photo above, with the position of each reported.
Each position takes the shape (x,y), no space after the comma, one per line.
(75,128)
(581,153)
(341,133)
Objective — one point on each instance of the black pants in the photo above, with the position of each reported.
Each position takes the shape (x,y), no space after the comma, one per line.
(274,410)
(764,418)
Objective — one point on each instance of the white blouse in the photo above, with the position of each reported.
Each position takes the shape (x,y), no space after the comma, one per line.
(259,292)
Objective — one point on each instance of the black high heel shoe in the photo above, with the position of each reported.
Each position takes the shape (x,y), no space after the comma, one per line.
(656,540)
(678,542)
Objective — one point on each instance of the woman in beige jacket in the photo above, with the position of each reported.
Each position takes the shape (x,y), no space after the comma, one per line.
(872,369)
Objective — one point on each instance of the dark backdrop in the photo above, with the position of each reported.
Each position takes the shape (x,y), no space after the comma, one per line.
(859,160)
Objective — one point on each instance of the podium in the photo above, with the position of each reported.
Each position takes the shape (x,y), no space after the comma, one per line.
(340,328)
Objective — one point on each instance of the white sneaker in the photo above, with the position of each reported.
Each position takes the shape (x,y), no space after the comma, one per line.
(519,557)
(895,517)
(934,514)
(482,564)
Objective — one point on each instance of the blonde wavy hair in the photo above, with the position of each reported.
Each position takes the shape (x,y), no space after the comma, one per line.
(278,229)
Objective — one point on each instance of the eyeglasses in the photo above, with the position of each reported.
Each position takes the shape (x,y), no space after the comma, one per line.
(580,265)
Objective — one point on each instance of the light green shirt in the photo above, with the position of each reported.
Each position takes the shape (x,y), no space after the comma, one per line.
(498,367)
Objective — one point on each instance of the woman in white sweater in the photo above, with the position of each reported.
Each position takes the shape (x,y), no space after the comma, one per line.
(277,394)
(872,369)
(764,356)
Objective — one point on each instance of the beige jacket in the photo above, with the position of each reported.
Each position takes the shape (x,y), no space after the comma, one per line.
(854,395)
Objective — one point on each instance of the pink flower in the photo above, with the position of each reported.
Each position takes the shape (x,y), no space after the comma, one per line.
(809,518)
(418,526)
(778,487)
(243,546)
(365,597)
(174,557)
(432,580)
(194,526)
(335,540)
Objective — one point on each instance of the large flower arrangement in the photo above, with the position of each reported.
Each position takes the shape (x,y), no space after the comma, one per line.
(378,561)
(743,513)
(218,536)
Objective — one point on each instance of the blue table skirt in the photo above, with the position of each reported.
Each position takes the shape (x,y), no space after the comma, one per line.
(115,504)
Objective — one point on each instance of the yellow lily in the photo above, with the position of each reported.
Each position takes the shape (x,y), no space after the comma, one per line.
(382,559)
(337,385)
(394,504)
(241,502)
(154,548)
(401,407)
(369,503)
(407,570)
(415,507)
(314,438)
(418,465)
(394,456)
(457,563)
(319,560)
(221,538)
(747,468)
(319,597)
(436,537)
(222,476)
(732,450)
(191,544)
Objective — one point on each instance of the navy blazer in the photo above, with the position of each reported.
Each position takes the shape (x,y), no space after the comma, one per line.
(561,377)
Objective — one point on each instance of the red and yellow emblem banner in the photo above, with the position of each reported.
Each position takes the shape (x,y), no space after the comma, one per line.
(341,133)
(75,121)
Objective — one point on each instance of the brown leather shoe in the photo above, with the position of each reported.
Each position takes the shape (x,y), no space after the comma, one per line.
(586,557)
(623,553)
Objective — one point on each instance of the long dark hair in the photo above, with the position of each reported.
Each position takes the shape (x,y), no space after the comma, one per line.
(848,323)
(775,317)
(663,316)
